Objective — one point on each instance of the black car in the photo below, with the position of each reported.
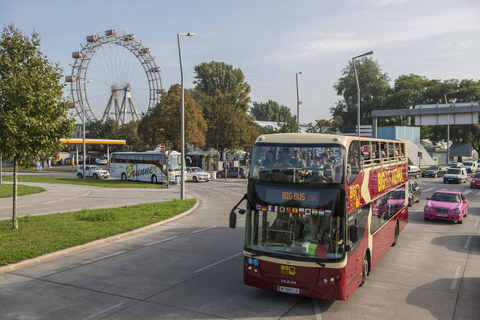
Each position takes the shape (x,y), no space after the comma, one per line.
(414,192)
(434,171)
(233,172)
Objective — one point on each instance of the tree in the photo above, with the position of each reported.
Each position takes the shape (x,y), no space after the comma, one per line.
(325,126)
(374,86)
(33,112)
(162,123)
(270,111)
(224,95)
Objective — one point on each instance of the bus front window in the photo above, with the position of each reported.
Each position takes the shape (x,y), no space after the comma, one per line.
(298,163)
(174,164)
(318,235)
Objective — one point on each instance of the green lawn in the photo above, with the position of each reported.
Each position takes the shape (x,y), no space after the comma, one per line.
(87,182)
(6,190)
(43,234)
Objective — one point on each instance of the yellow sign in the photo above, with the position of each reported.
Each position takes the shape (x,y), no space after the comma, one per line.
(390,178)
(290,270)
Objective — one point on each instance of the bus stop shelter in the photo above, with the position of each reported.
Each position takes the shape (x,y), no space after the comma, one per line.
(106,142)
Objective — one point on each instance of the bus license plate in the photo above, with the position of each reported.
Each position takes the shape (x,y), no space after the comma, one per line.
(289,290)
(441,215)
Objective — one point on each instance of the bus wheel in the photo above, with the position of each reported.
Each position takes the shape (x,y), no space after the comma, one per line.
(154,179)
(124,177)
(396,236)
(364,270)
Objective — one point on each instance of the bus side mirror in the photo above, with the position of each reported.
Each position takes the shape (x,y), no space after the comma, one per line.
(353,233)
(233,219)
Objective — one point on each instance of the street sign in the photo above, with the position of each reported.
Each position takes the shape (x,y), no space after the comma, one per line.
(162,147)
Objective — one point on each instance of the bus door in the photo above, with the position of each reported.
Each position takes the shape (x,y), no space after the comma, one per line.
(131,162)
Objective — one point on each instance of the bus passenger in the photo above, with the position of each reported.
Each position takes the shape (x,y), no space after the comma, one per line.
(269,160)
(298,158)
(285,160)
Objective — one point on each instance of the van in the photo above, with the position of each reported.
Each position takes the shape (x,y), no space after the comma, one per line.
(455,175)
(471,166)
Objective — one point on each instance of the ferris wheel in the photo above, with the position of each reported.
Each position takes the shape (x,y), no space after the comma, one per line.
(114,76)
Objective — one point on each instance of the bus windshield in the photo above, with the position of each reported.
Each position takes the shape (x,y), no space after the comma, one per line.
(174,164)
(305,164)
(288,229)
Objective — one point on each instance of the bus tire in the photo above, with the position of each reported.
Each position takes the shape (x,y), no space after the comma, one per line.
(124,177)
(395,238)
(154,179)
(365,266)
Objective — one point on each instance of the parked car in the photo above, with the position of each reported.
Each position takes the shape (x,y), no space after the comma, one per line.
(471,166)
(446,205)
(196,174)
(414,171)
(102,161)
(475,182)
(232,173)
(414,192)
(434,171)
(456,175)
(92,172)
(454,165)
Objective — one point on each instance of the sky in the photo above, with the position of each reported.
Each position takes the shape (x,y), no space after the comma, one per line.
(271,40)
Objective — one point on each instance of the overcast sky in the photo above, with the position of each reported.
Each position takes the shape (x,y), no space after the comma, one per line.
(272,40)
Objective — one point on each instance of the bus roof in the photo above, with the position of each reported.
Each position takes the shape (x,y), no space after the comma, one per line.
(311,138)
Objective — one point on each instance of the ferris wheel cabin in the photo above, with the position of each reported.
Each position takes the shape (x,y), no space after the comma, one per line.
(78,54)
(93,38)
(75,105)
(70,79)
(110,32)
(156,69)
(145,50)
(129,37)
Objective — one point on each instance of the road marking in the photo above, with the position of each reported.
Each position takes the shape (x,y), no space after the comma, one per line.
(476,223)
(48,202)
(160,241)
(103,311)
(204,229)
(104,257)
(426,190)
(467,192)
(468,242)
(44,274)
(214,264)
(477,194)
(318,312)
(455,279)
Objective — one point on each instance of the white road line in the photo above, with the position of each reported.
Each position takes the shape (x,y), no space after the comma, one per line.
(455,279)
(318,312)
(426,190)
(477,194)
(104,257)
(476,223)
(103,311)
(160,241)
(467,192)
(468,242)
(214,264)
(204,229)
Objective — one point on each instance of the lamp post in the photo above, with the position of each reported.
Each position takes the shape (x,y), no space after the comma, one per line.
(298,104)
(448,126)
(358,88)
(84,148)
(182,125)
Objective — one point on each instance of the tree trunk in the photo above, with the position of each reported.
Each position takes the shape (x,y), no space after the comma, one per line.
(15,173)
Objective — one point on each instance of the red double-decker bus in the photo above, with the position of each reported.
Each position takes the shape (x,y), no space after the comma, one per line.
(321,211)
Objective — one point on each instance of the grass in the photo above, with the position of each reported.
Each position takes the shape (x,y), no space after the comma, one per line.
(6,190)
(87,182)
(44,234)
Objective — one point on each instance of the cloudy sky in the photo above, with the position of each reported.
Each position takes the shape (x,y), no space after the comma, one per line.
(272,40)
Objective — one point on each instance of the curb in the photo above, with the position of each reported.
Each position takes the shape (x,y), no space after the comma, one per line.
(56,254)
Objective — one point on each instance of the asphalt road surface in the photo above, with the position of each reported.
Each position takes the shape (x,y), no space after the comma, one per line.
(192,269)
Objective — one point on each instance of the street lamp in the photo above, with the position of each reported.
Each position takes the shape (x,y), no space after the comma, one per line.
(358,88)
(448,126)
(298,104)
(182,125)
(84,148)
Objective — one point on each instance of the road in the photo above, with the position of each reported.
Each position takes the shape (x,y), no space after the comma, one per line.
(192,269)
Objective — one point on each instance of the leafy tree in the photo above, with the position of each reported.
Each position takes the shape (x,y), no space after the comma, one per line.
(374,86)
(224,95)
(162,123)
(325,126)
(33,113)
(270,111)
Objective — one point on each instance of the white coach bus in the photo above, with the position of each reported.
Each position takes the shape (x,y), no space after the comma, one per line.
(146,166)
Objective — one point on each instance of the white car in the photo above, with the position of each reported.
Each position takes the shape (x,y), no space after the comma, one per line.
(414,171)
(92,172)
(197,174)
(102,161)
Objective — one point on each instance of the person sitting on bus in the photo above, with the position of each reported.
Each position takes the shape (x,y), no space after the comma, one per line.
(286,160)
(269,160)
(298,159)
(308,158)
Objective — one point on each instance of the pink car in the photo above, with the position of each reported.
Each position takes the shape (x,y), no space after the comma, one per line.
(446,205)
